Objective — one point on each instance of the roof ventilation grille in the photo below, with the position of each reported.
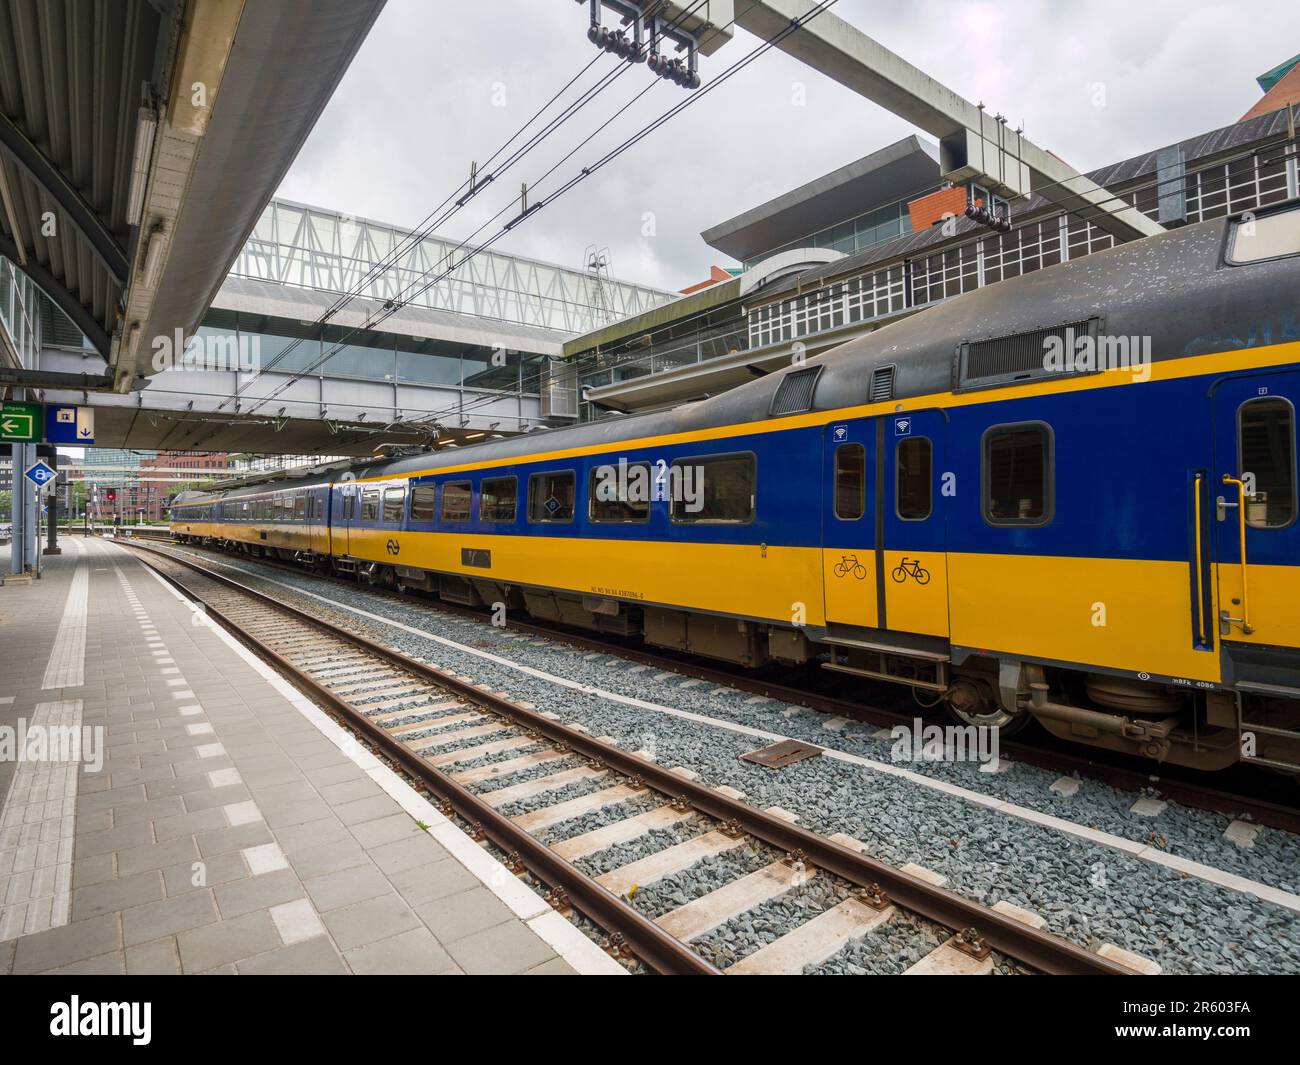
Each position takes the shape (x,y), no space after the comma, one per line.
(882,384)
(1009,360)
(795,393)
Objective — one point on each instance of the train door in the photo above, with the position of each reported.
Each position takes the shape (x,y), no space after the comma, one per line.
(849,525)
(914,556)
(345,497)
(1256,541)
(318,520)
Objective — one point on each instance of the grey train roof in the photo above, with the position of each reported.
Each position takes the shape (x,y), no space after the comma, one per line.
(1172,287)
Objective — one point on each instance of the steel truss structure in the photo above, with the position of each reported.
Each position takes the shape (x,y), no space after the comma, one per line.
(295,244)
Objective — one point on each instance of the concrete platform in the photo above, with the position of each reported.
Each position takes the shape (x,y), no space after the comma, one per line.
(214,820)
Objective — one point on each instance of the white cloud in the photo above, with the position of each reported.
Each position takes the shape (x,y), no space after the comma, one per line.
(420,102)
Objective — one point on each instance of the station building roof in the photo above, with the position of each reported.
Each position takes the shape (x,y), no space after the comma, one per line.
(893,173)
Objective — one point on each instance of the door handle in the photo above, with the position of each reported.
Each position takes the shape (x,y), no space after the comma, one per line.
(1244,620)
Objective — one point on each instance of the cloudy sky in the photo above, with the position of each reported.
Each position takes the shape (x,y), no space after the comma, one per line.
(439,83)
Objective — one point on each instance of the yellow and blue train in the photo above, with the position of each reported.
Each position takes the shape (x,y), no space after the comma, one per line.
(1069,497)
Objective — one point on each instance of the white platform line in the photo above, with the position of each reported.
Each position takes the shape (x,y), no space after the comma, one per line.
(37,829)
(1286,899)
(67,664)
(561,935)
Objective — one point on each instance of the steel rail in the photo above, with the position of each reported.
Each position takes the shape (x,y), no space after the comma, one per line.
(1039,950)
(648,941)
(1200,796)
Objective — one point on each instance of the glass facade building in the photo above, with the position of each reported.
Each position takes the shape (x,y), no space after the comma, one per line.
(852,235)
(279,345)
(20,301)
(1249,165)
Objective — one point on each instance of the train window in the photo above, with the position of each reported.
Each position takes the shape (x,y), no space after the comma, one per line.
(299,508)
(347,505)
(712,490)
(456,496)
(1266,442)
(394,504)
(551,496)
(913,479)
(850,481)
(1017,475)
(620,492)
(497,499)
(370,505)
(422,502)
(1271,236)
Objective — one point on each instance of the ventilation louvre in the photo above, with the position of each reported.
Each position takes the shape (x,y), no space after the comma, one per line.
(57,329)
(1017,357)
(795,392)
(882,384)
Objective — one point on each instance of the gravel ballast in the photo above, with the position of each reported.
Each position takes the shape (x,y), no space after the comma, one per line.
(1090,893)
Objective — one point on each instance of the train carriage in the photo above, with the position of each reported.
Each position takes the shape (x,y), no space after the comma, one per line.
(1069,497)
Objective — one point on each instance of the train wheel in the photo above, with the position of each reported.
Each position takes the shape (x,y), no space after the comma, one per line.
(971,703)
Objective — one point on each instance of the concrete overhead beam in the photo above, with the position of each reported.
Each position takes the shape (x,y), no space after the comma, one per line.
(973,144)
(273,67)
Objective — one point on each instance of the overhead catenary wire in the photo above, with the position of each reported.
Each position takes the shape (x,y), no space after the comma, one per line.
(437,218)
(1087,213)
(1285,151)
(583,174)
(394,304)
(433,220)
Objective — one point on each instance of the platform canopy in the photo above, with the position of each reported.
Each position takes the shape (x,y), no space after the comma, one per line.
(140,141)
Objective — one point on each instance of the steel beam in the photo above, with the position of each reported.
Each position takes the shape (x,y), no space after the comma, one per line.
(55,379)
(70,201)
(972,142)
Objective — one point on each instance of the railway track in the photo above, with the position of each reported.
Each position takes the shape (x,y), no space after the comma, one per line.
(433,725)
(1196,794)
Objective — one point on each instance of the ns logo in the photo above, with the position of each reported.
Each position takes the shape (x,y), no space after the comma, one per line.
(393,547)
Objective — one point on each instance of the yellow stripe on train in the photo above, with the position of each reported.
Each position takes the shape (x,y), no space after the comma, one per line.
(1113,613)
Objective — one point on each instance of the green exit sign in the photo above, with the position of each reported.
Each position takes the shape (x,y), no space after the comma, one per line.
(22,423)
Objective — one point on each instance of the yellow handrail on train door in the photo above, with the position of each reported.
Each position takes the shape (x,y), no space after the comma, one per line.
(1200,566)
(1241,521)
